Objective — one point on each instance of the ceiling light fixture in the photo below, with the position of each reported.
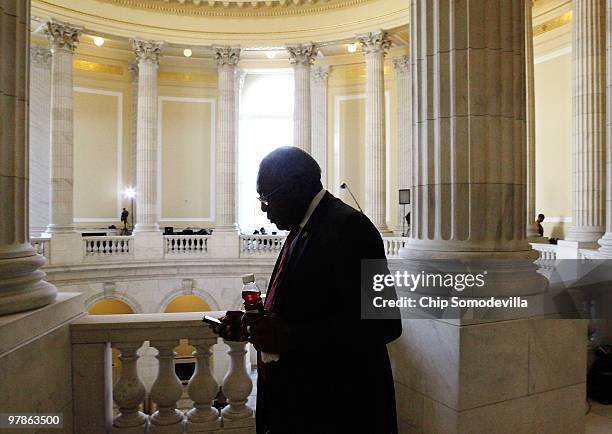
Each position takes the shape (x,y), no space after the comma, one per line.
(187,52)
(352,48)
(270,54)
(98,40)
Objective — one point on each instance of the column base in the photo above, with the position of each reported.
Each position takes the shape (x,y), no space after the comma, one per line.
(586,236)
(142,227)
(22,286)
(606,245)
(59,229)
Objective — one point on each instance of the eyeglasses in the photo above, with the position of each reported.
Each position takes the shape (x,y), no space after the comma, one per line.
(265,199)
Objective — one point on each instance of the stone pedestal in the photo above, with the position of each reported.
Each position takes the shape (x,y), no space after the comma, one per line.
(66,248)
(375,46)
(224,244)
(147,152)
(589,122)
(148,245)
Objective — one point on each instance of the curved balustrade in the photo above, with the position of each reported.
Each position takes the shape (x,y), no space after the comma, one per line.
(41,245)
(92,338)
(98,247)
(261,245)
(393,245)
(186,244)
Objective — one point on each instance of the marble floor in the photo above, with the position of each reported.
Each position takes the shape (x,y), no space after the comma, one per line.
(599,419)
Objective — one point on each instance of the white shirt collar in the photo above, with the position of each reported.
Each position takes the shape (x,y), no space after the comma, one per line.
(313,205)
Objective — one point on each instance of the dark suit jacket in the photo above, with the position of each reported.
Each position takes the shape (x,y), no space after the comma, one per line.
(336,377)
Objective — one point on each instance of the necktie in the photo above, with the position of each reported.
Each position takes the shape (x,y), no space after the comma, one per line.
(279,270)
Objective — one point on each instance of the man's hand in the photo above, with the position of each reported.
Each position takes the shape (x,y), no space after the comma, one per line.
(230,328)
(270,334)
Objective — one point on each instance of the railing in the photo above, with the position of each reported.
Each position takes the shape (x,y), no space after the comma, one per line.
(92,338)
(107,247)
(547,252)
(186,245)
(42,246)
(261,245)
(393,245)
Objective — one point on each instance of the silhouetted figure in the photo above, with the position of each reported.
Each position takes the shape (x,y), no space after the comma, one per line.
(539,224)
(124,219)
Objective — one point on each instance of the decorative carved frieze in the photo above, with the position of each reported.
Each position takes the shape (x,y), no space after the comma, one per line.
(147,50)
(303,54)
(226,55)
(374,42)
(62,35)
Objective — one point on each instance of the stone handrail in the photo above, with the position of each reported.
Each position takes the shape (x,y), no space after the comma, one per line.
(393,245)
(107,246)
(41,245)
(92,338)
(547,252)
(186,245)
(261,245)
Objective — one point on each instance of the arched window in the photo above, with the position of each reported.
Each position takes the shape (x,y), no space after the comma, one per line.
(266,123)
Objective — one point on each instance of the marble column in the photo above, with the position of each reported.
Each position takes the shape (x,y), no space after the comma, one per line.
(302,57)
(133,70)
(21,284)
(63,39)
(404,151)
(147,152)
(320,76)
(606,241)
(532,227)
(226,152)
(589,121)
(239,76)
(40,136)
(375,46)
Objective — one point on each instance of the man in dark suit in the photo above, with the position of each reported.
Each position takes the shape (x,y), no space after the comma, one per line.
(333,373)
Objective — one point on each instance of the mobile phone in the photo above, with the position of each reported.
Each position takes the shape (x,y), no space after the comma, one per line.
(211,321)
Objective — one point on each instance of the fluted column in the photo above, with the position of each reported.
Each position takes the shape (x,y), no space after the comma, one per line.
(63,39)
(133,69)
(147,152)
(40,136)
(375,46)
(21,284)
(468,132)
(532,227)
(302,57)
(589,121)
(404,152)
(606,241)
(226,175)
(320,76)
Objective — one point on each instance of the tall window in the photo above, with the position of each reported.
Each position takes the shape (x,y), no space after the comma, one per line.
(266,123)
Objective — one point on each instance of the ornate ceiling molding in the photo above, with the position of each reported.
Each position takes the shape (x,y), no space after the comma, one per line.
(237,8)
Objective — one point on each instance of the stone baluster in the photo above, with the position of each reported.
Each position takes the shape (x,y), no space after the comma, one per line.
(237,386)
(375,46)
(589,121)
(129,392)
(226,180)
(320,76)
(147,54)
(302,57)
(21,284)
(166,390)
(202,389)
(404,151)
(63,39)
(606,241)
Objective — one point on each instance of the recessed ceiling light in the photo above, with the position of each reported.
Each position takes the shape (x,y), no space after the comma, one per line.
(351,48)
(270,54)
(99,41)
(187,52)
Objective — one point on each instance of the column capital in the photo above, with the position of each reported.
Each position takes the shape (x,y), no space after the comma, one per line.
(374,42)
(239,76)
(62,35)
(320,74)
(40,56)
(226,55)
(147,50)
(303,54)
(401,64)
(133,69)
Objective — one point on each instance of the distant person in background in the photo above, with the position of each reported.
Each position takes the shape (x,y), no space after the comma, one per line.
(262,231)
(539,223)
(124,219)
